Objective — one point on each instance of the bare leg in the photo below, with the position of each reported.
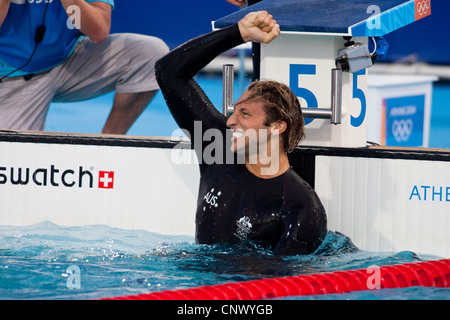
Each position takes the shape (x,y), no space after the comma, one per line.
(126,109)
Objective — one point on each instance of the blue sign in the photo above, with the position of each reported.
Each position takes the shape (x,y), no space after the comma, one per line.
(404,121)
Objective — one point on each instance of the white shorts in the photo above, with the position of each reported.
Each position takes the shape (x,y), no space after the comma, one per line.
(122,63)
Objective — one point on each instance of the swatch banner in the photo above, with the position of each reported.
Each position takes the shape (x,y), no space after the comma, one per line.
(72,185)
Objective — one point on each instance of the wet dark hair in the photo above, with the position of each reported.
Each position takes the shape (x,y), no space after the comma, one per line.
(280,104)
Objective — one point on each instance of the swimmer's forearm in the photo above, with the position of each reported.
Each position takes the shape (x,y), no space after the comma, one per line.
(175,74)
(194,55)
(188,59)
(4,7)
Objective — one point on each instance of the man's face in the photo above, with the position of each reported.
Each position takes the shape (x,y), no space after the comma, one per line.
(248,125)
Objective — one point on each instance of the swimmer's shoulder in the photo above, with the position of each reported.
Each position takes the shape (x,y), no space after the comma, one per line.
(295,187)
(294,180)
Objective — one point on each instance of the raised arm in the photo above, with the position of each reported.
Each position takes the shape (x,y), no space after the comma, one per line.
(4,7)
(175,72)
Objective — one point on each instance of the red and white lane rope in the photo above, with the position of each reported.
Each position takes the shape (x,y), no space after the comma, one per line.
(427,274)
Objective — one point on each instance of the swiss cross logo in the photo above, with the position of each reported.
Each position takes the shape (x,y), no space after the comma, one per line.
(423,8)
(106,179)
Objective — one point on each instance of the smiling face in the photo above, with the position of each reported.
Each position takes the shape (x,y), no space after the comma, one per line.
(249,125)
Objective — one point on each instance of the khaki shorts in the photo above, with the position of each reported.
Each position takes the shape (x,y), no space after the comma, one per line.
(121,63)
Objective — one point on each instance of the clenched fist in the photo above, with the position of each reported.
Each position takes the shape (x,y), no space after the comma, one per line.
(259,27)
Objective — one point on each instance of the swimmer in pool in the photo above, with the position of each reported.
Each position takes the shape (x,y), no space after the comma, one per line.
(259,199)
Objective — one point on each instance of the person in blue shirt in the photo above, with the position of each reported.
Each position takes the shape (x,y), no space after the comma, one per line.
(61,51)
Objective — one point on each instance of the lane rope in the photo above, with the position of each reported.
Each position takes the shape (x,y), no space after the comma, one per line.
(434,273)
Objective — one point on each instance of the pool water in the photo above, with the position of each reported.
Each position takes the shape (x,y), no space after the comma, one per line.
(37,262)
(47,261)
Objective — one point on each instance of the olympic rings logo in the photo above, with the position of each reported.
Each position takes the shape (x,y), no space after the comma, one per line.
(423,7)
(402,129)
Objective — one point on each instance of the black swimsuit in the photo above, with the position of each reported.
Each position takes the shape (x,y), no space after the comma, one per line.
(281,213)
